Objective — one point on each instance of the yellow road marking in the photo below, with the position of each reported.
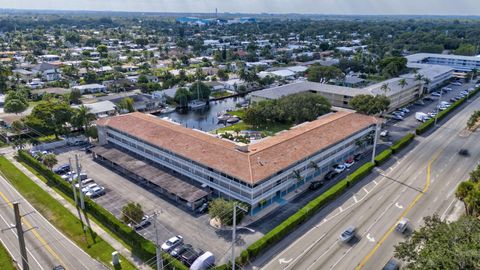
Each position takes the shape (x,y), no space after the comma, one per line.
(404,213)
(35,233)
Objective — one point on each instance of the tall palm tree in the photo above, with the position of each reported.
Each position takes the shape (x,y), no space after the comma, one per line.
(402,82)
(418,77)
(385,88)
(84,118)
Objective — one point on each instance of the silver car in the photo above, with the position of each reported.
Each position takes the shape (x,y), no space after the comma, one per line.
(348,234)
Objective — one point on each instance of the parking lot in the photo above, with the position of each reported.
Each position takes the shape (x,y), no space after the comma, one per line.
(171,219)
(398,129)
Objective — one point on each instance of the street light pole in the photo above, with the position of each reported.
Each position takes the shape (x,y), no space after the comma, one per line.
(438,105)
(234,230)
(375,139)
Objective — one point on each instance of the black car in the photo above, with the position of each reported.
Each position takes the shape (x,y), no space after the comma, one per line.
(203,208)
(330,175)
(464,152)
(178,251)
(189,256)
(428,99)
(63,169)
(314,185)
(58,267)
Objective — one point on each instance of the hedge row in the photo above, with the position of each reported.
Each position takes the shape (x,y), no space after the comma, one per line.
(140,246)
(442,114)
(383,156)
(404,141)
(303,214)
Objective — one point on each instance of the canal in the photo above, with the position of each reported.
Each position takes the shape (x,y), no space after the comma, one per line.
(204,119)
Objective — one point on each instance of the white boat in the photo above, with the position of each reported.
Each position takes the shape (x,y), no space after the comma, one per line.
(196,104)
(233,119)
(224,117)
(167,110)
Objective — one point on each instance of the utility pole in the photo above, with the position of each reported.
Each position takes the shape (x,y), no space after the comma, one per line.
(73,185)
(438,105)
(375,139)
(157,246)
(21,239)
(79,169)
(234,231)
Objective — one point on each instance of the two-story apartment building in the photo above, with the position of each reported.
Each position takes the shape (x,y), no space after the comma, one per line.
(258,173)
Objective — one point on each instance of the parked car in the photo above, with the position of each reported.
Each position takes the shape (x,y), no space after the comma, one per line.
(330,175)
(172,243)
(384,133)
(436,94)
(59,267)
(349,162)
(314,185)
(348,234)
(204,262)
(88,187)
(203,208)
(405,110)
(402,225)
(179,250)
(62,169)
(456,83)
(189,256)
(397,117)
(145,222)
(427,99)
(95,192)
(358,157)
(88,148)
(339,168)
(85,183)
(392,264)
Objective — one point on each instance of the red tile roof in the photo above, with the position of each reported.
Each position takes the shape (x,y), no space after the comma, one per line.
(263,158)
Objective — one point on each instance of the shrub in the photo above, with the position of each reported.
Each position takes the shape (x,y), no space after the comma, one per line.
(400,144)
(383,156)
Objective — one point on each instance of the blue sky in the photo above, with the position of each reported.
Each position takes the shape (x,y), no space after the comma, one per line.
(417,7)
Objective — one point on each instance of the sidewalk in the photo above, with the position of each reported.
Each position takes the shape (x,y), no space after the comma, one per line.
(95,227)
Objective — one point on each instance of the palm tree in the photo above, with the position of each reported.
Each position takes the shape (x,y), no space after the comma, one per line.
(297,175)
(313,165)
(463,192)
(385,88)
(84,118)
(49,160)
(402,82)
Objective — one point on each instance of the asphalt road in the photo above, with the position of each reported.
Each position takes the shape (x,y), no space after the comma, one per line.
(46,246)
(419,183)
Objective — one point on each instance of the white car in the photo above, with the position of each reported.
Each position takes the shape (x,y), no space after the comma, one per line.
(339,168)
(172,243)
(85,183)
(95,192)
(457,83)
(89,187)
(436,94)
(405,110)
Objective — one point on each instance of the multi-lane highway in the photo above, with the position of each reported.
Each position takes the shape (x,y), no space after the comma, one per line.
(415,185)
(46,246)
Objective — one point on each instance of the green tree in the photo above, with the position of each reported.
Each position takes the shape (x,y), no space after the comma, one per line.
(15,102)
(393,66)
(102,50)
(4,73)
(463,192)
(49,160)
(132,213)
(126,105)
(402,82)
(222,75)
(199,90)
(317,73)
(74,96)
(182,96)
(370,105)
(83,118)
(466,49)
(49,117)
(441,245)
(222,210)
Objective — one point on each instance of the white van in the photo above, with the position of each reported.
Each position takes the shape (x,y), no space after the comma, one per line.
(421,116)
(205,261)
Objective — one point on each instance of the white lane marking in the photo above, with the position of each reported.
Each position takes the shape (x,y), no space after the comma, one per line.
(341,258)
(444,215)
(282,261)
(355,199)
(28,250)
(340,208)
(399,206)
(379,198)
(307,250)
(370,238)
(364,189)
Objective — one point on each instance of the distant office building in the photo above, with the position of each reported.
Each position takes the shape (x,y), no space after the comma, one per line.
(461,64)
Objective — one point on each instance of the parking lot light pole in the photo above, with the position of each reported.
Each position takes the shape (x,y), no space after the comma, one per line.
(79,168)
(157,246)
(375,140)
(438,105)
(73,184)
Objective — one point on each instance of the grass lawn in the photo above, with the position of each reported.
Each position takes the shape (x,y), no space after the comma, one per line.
(240,113)
(5,260)
(221,94)
(59,216)
(269,130)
